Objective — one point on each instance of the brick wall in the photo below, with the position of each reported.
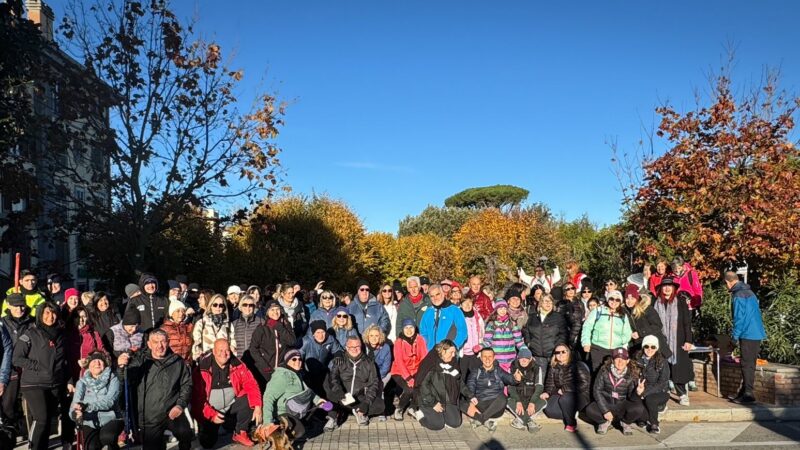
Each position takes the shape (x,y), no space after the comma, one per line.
(775,384)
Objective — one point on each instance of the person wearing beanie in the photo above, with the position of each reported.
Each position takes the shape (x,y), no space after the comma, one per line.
(318,349)
(287,397)
(151,306)
(413,305)
(244,327)
(27,288)
(516,308)
(616,388)
(224,389)
(655,372)
(270,343)
(342,326)
(502,335)
(71,301)
(132,290)
(214,325)
(94,403)
(606,328)
(398,290)
(366,310)
(55,291)
(409,351)
(14,324)
(179,331)
(524,399)
(125,336)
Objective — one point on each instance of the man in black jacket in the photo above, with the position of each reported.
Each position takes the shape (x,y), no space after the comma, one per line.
(152,307)
(15,323)
(162,384)
(353,384)
(485,385)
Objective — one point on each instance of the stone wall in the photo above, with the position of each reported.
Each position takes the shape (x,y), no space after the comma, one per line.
(775,384)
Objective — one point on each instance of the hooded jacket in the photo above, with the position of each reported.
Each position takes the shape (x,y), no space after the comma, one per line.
(408,355)
(160,385)
(79,344)
(443,322)
(270,343)
(41,358)
(100,397)
(152,307)
(241,380)
(316,356)
(382,357)
(530,387)
(655,374)
(747,323)
(369,313)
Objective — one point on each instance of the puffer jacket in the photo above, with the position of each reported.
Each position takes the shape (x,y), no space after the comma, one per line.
(180,338)
(318,356)
(542,336)
(649,323)
(604,388)
(242,382)
(100,397)
(152,307)
(42,360)
(606,330)
(487,385)
(371,313)
(357,376)
(160,384)
(205,333)
(243,329)
(408,354)
(326,316)
(573,377)
(747,323)
(655,374)
(285,384)
(382,356)
(530,387)
(122,342)
(342,334)
(574,313)
(16,327)
(270,342)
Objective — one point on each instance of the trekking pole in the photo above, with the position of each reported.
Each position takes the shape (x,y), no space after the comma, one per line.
(16,272)
(128,436)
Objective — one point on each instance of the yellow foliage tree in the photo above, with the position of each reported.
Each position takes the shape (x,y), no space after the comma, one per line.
(419,254)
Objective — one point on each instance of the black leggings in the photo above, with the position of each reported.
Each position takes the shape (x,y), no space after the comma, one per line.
(652,403)
(406,393)
(95,439)
(432,420)
(627,411)
(597,355)
(43,406)
(489,409)
(8,403)
(563,407)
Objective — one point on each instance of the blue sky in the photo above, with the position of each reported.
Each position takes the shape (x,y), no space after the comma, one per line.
(395,105)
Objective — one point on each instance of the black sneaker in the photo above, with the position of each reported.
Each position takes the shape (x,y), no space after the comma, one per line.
(654,429)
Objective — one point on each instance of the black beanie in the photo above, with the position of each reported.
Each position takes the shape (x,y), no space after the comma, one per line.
(131,317)
(318,325)
(361,282)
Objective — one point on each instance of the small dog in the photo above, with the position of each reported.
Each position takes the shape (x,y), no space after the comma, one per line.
(274,436)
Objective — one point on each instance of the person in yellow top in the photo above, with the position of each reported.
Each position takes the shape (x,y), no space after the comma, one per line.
(27,287)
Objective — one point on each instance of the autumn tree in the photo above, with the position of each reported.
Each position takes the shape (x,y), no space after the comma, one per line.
(499,196)
(727,190)
(442,222)
(179,139)
(416,254)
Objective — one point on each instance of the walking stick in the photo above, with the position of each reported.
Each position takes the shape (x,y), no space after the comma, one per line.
(16,272)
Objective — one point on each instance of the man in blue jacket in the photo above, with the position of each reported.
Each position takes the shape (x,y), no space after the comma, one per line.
(443,320)
(366,310)
(748,331)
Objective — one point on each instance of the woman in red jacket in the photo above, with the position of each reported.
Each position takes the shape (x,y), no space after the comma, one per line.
(81,340)
(409,350)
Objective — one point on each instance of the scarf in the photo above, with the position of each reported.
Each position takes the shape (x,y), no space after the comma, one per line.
(272,323)
(411,339)
(515,314)
(99,383)
(616,373)
(217,319)
(417,299)
(669,318)
(469,314)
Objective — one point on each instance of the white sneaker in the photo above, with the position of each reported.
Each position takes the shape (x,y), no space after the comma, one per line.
(330,425)
(684,401)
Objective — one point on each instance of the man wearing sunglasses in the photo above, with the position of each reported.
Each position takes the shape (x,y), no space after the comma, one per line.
(367,310)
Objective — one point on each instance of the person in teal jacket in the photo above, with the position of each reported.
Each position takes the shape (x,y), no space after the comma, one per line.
(606,328)
(443,320)
(94,406)
(748,332)
(288,397)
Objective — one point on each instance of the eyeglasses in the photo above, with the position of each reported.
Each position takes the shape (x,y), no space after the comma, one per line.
(611,283)
(341,316)
(560,352)
(569,288)
(217,305)
(364,290)
(650,347)
(612,299)
(296,358)
(247,305)
(353,348)
(386,290)
(327,297)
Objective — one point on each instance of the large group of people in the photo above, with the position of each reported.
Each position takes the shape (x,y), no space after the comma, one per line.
(152,368)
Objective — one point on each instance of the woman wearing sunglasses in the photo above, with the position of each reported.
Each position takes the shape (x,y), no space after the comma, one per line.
(572,308)
(606,328)
(342,326)
(387,299)
(212,326)
(566,387)
(324,312)
(270,343)
(655,372)
(644,319)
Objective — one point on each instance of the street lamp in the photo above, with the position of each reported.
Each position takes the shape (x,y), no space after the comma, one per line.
(631,239)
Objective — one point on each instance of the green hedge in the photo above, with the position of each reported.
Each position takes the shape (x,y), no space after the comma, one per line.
(780,310)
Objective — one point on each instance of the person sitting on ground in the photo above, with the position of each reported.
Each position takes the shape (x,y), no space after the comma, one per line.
(606,328)
(439,388)
(566,388)
(655,372)
(215,324)
(409,351)
(484,391)
(179,332)
(524,399)
(353,385)
(614,389)
(377,349)
(318,350)
(288,397)
(94,405)
(161,383)
(224,389)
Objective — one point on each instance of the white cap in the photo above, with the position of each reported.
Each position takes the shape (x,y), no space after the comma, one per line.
(650,340)
(175,305)
(234,290)
(614,294)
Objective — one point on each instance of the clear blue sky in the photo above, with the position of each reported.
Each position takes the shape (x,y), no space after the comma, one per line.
(395,105)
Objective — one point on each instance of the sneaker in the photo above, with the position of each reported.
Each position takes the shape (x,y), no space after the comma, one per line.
(491,425)
(518,423)
(663,409)
(641,424)
(603,427)
(672,387)
(569,429)
(654,429)
(411,412)
(684,400)
(361,419)
(692,386)
(242,438)
(398,415)
(747,399)
(474,424)
(330,425)
(533,427)
(627,429)
(381,418)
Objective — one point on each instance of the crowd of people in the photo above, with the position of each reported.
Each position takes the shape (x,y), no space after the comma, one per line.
(150,368)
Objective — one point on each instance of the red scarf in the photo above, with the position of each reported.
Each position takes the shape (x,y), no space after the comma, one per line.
(417,299)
